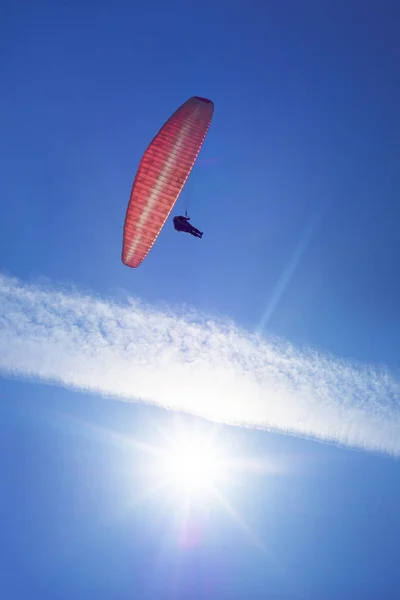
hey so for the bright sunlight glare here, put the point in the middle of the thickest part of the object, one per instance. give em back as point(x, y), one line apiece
point(192, 465)
point(195, 468)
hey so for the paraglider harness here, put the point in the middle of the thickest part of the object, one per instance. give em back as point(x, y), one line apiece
point(182, 224)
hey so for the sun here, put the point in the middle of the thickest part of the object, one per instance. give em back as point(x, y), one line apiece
point(192, 470)
point(192, 465)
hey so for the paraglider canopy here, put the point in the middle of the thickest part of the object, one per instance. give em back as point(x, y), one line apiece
point(162, 173)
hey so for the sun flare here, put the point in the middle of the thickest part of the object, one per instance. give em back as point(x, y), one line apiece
point(192, 465)
point(192, 470)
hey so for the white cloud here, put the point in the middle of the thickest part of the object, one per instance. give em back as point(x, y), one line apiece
point(204, 367)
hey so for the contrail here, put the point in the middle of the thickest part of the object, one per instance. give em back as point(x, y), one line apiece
point(201, 366)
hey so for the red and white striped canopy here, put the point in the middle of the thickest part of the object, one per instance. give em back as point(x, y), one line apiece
point(162, 173)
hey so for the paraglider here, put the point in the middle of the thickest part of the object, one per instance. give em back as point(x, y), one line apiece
point(181, 224)
point(162, 173)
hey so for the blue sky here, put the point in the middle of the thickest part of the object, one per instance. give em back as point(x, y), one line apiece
point(296, 189)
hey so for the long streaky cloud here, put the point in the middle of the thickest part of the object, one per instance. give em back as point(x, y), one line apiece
point(197, 365)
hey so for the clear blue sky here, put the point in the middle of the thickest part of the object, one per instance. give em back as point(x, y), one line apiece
point(305, 137)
